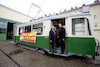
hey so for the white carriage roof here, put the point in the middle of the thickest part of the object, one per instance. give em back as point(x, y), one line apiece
point(54, 17)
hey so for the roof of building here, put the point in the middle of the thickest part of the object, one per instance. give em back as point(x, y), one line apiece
point(14, 10)
point(54, 17)
point(95, 3)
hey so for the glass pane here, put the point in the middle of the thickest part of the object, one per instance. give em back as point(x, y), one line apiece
point(3, 27)
point(1, 24)
point(95, 16)
point(38, 28)
point(94, 9)
point(5, 24)
point(28, 29)
point(21, 30)
point(78, 26)
point(0, 30)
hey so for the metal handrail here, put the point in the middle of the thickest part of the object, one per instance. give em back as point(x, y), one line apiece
point(97, 44)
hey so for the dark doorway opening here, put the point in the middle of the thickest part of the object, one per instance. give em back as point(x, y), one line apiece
point(10, 31)
point(55, 23)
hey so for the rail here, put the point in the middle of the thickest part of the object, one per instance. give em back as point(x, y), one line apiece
point(11, 58)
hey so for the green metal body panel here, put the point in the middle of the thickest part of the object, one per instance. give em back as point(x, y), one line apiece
point(3, 36)
point(78, 45)
point(41, 42)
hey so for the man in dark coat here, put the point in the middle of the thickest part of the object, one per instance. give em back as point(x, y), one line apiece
point(62, 37)
point(52, 36)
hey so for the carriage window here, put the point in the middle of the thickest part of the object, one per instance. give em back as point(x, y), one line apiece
point(28, 28)
point(78, 26)
point(21, 30)
point(38, 28)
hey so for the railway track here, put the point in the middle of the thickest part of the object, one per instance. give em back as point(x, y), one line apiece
point(70, 58)
point(19, 65)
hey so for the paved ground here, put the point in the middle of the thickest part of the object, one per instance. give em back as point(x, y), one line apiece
point(28, 58)
point(5, 61)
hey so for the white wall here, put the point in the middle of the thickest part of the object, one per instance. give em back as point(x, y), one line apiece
point(12, 15)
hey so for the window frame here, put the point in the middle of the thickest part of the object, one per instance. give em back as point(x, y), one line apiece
point(41, 26)
point(19, 30)
point(29, 28)
point(86, 27)
point(94, 17)
point(3, 27)
point(95, 25)
point(94, 9)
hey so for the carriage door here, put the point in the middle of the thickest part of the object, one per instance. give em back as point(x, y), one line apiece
point(55, 22)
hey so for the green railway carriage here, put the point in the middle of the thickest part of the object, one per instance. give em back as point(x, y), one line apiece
point(79, 36)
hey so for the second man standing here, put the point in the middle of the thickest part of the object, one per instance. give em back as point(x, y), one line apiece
point(62, 37)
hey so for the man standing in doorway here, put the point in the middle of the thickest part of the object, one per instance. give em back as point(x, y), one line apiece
point(62, 37)
point(52, 36)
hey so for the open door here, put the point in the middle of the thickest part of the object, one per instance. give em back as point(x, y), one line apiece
point(55, 23)
point(10, 31)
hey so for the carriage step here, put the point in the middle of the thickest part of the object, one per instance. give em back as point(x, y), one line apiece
point(40, 51)
point(65, 54)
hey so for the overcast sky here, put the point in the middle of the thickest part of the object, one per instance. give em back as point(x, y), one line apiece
point(47, 6)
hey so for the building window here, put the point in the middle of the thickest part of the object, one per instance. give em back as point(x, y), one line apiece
point(38, 28)
point(95, 24)
point(78, 26)
point(3, 27)
point(95, 17)
point(94, 9)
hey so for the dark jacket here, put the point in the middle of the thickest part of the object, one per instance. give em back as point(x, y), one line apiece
point(62, 33)
point(52, 36)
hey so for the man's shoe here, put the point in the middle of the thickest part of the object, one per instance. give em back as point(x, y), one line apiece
point(60, 53)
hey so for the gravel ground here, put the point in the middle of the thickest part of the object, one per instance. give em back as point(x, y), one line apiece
point(28, 58)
